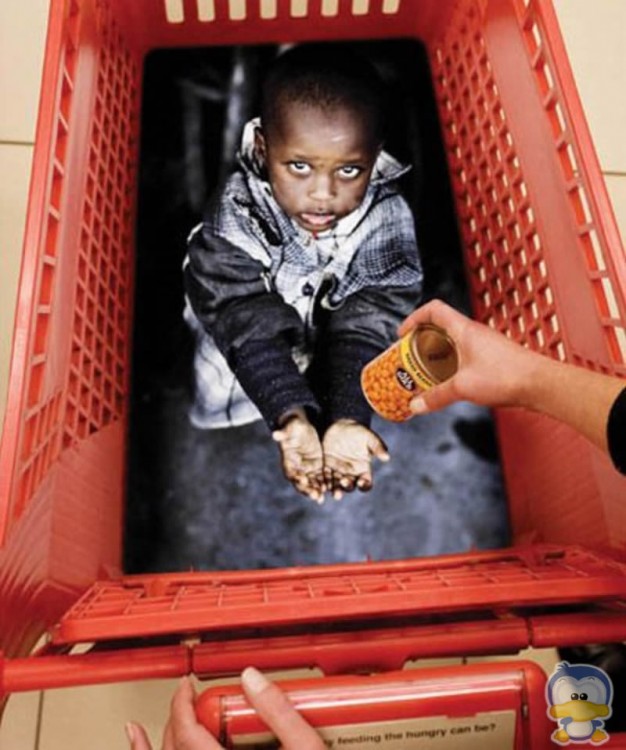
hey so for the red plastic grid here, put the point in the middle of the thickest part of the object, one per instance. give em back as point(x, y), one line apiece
point(207, 11)
point(99, 347)
point(143, 605)
point(504, 253)
point(94, 393)
point(39, 439)
point(505, 257)
point(540, 34)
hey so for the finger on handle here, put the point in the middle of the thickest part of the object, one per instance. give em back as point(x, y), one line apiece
point(186, 732)
point(137, 736)
point(273, 706)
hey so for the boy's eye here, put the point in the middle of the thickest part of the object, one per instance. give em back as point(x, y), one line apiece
point(349, 172)
point(299, 167)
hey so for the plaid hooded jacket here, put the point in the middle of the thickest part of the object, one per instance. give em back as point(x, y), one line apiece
point(286, 319)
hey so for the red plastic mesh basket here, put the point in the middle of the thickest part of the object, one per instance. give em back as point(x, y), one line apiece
point(544, 264)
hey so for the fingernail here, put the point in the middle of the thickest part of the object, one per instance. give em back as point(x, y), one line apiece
point(130, 732)
point(254, 681)
point(418, 405)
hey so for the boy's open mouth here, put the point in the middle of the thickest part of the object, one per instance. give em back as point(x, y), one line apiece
point(318, 221)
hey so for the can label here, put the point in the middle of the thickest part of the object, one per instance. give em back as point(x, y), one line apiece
point(411, 367)
point(405, 380)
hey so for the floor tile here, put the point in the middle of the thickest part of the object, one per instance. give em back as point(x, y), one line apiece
point(94, 717)
point(546, 658)
point(595, 37)
point(22, 40)
point(616, 185)
point(18, 730)
point(15, 162)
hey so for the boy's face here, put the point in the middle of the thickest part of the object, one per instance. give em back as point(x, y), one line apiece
point(319, 163)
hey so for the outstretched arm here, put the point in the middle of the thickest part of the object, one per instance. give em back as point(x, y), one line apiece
point(354, 334)
point(252, 326)
point(495, 371)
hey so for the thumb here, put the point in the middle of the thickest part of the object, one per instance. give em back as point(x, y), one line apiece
point(137, 737)
point(377, 447)
point(435, 398)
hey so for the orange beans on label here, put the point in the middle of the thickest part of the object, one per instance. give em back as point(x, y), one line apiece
point(422, 358)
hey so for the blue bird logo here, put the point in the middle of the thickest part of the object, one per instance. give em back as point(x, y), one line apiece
point(579, 698)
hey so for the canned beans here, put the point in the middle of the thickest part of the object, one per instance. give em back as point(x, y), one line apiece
point(421, 359)
point(384, 393)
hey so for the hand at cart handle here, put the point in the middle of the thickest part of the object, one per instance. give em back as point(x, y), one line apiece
point(183, 732)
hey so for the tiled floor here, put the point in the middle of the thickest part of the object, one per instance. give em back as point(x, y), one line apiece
point(93, 718)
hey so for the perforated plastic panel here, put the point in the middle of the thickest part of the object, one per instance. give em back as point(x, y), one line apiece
point(96, 386)
point(514, 257)
point(505, 257)
point(65, 404)
point(201, 602)
point(63, 439)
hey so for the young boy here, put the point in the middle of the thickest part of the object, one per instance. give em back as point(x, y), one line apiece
point(302, 269)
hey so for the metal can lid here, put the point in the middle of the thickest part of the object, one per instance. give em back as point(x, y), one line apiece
point(435, 352)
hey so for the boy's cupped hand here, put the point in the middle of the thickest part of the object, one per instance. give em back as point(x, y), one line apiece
point(348, 449)
point(341, 462)
point(302, 455)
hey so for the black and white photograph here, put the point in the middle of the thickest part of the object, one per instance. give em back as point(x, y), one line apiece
point(294, 208)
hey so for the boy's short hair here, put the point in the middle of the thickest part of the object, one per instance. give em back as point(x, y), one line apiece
point(325, 76)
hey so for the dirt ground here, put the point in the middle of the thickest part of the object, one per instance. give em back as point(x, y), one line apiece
point(217, 499)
